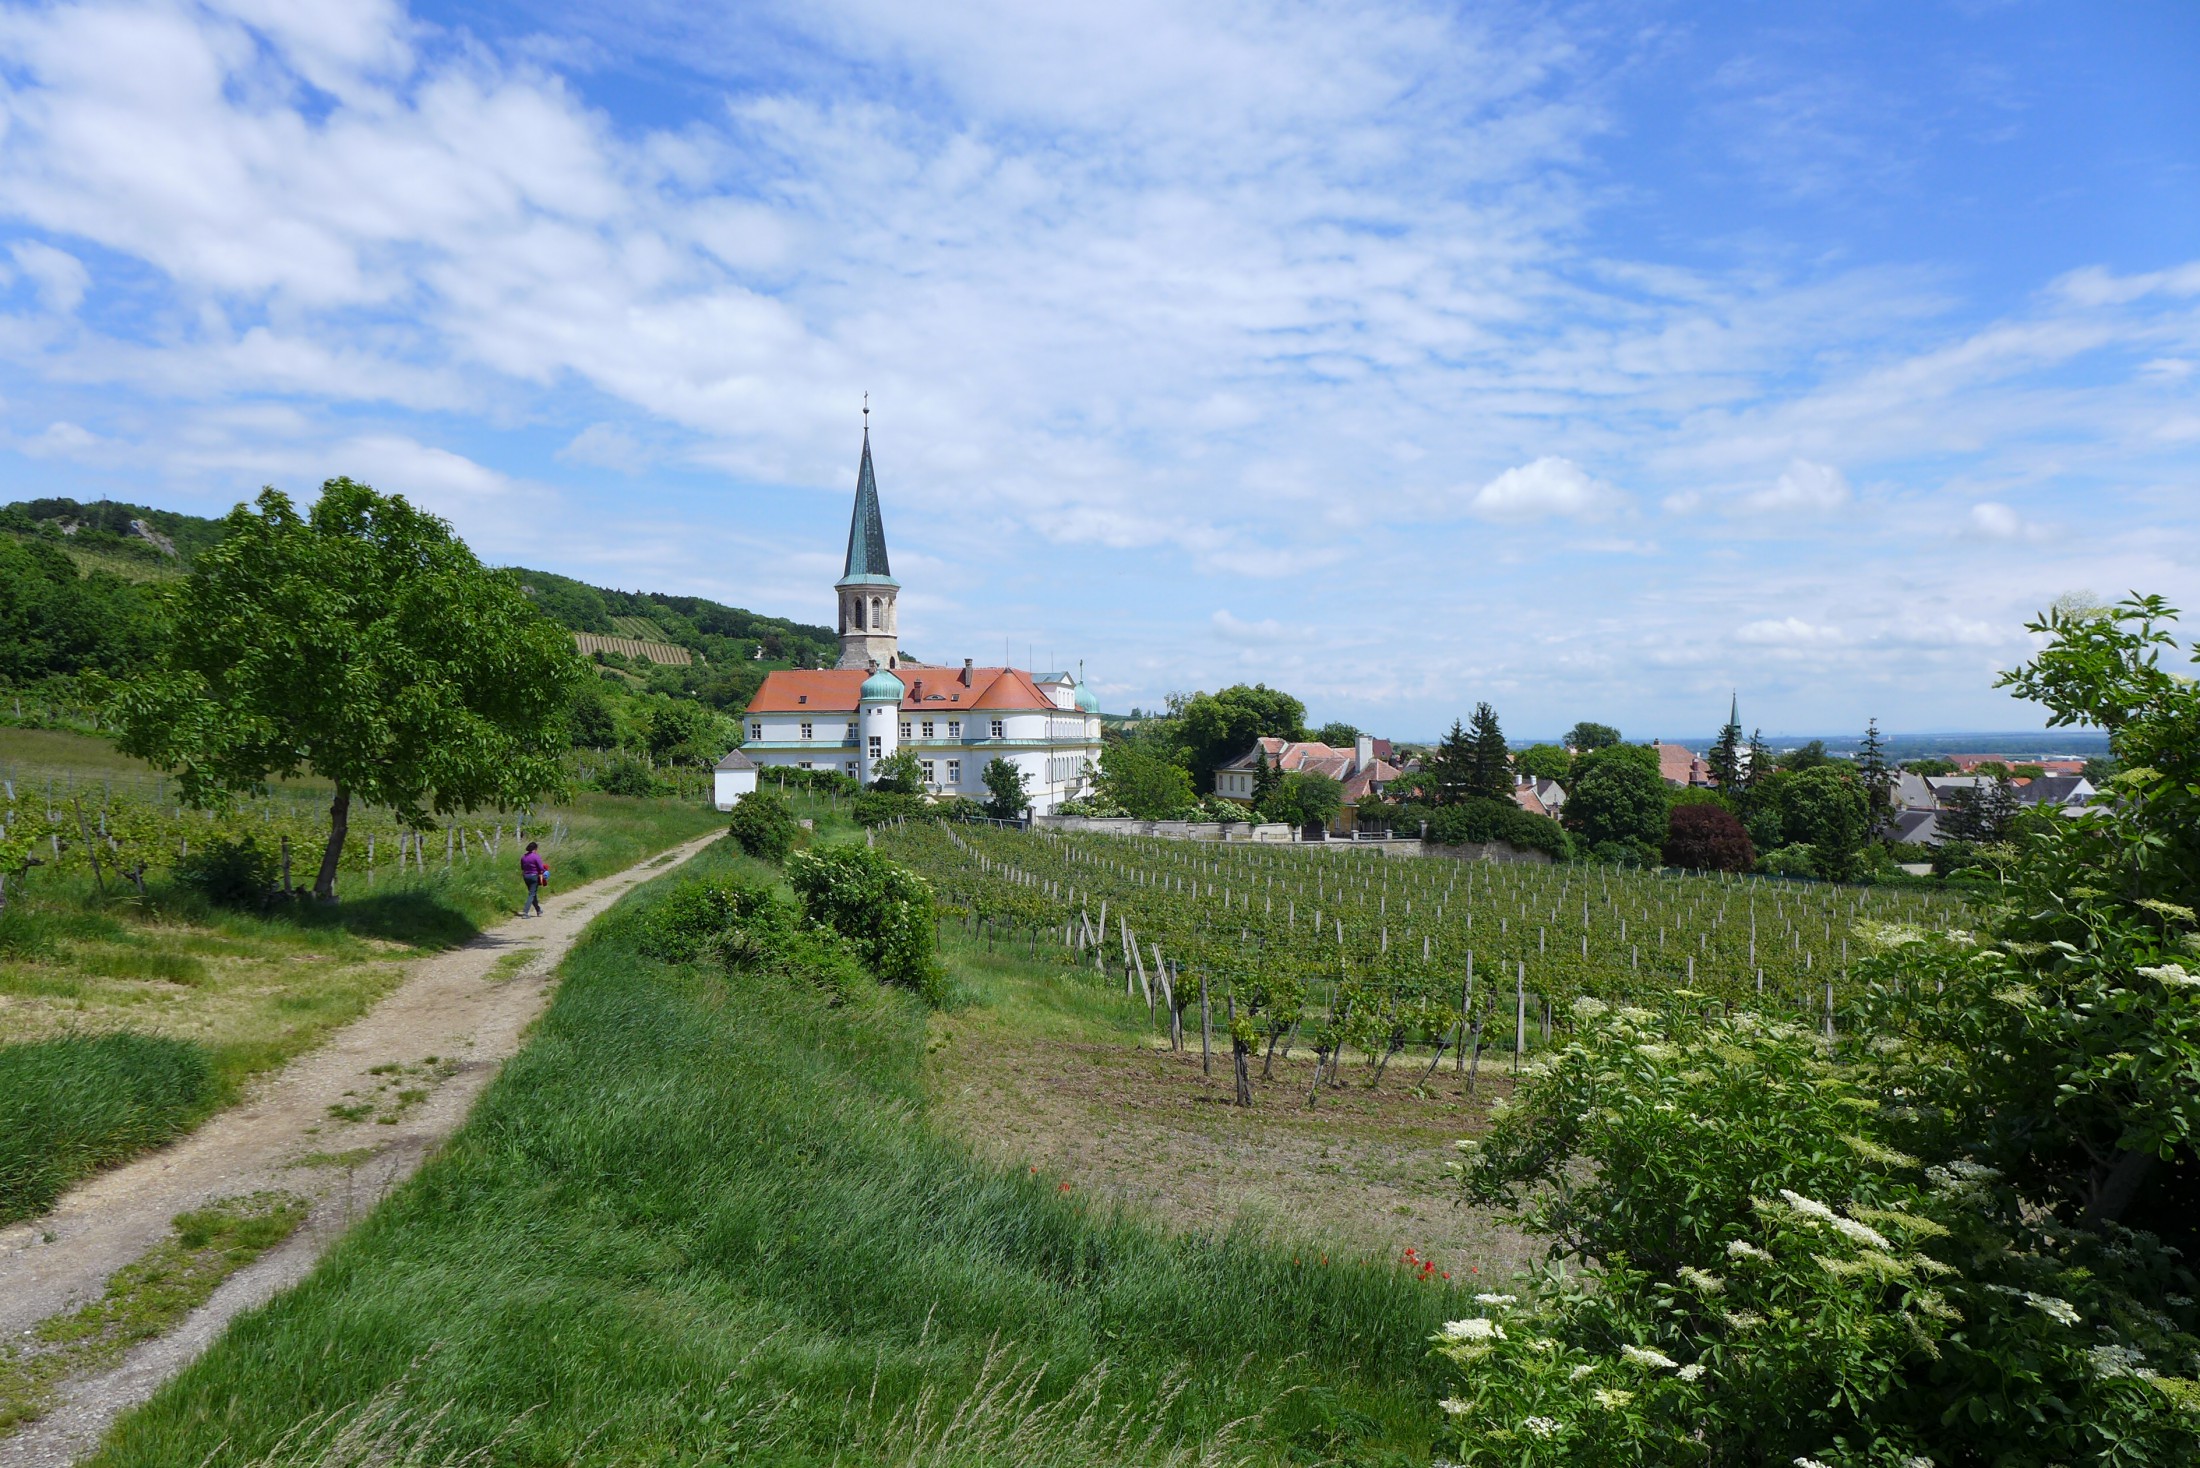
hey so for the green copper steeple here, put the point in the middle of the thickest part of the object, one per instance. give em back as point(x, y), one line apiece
point(866, 531)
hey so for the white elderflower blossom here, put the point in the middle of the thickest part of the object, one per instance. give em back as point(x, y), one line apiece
point(1540, 1426)
point(1496, 1300)
point(1639, 1356)
point(1743, 1249)
point(1579, 1372)
point(2172, 973)
point(2062, 1312)
point(1587, 1008)
point(1455, 1407)
point(1808, 1463)
point(1691, 1371)
point(1864, 1234)
point(2109, 1361)
point(1702, 1282)
point(1810, 1208)
point(1480, 1328)
point(1741, 1321)
point(1610, 1400)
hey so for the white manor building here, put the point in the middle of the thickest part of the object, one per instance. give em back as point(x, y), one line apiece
point(954, 720)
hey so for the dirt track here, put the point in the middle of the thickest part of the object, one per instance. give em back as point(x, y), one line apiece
point(469, 1009)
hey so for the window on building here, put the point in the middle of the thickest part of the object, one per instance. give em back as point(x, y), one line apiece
point(850, 767)
point(802, 764)
point(928, 728)
point(878, 747)
point(954, 772)
point(905, 728)
point(954, 728)
point(756, 731)
point(851, 731)
point(931, 775)
point(1000, 731)
point(805, 728)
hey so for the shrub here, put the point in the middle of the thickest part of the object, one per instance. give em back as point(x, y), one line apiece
point(231, 871)
point(880, 907)
point(877, 807)
point(1798, 860)
point(627, 775)
point(1759, 1275)
point(74, 1103)
point(1707, 837)
point(1474, 822)
point(762, 826)
point(1623, 854)
point(683, 925)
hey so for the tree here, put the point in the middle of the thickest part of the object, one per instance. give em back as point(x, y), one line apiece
point(1810, 756)
point(1871, 766)
point(1726, 756)
point(1337, 734)
point(1004, 783)
point(1991, 769)
point(1707, 838)
point(1544, 762)
point(1825, 809)
point(1449, 775)
point(1618, 796)
point(679, 729)
point(1148, 785)
point(1586, 736)
point(898, 774)
point(1490, 772)
point(1216, 728)
point(1981, 814)
point(880, 908)
point(594, 726)
point(1267, 779)
point(1930, 766)
point(2027, 772)
point(363, 643)
point(1308, 799)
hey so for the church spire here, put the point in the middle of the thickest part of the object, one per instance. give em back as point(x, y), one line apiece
point(866, 531)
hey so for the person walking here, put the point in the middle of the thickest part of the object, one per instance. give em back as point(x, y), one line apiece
point(536, 873)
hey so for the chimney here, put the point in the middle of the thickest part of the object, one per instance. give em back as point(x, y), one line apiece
point(916, 690)
point(1363, 752)
point(966, 673)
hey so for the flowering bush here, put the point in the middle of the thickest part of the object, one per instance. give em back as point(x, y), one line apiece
point(1745, 1269)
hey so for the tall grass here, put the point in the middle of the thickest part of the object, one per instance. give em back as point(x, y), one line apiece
point(701, 1218)
point(74, 1103)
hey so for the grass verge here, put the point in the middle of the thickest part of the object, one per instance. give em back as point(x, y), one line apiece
point(74, 1103)
point(144, 1299)
point(702, 1218)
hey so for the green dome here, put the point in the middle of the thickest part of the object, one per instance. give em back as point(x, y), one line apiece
point(881, 687)
point(1086, 700)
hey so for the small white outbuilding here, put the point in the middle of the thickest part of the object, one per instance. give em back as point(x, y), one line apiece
point(734, 778)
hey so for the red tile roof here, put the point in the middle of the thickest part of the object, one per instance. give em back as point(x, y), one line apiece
point(924, 690)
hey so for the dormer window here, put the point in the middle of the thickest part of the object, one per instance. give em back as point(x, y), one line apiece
point(802, 698)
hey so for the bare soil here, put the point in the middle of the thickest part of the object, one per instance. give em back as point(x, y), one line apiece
point(1364, 1170)
point(341, 1125)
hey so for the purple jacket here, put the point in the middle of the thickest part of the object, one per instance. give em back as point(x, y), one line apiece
point(532, 865)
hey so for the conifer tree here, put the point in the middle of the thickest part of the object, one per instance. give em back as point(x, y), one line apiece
point(1871, 763)
point(1490, 768)
point(1266, 779)
point(1726, 755)
point(1451, 767)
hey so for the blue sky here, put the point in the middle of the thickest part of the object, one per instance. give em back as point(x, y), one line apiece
point(1590, 359)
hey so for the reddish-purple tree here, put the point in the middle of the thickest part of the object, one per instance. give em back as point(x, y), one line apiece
point(1707, 838)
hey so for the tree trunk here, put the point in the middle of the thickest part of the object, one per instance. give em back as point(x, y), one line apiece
point(339, 818)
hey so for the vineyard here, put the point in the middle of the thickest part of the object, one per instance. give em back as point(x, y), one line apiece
point(1269, 948)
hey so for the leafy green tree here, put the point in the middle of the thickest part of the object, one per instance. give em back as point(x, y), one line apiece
point(1930, 766)
point(1490, 773)
point(898, 774)
point(54, 621)
point(594, 725)
point(1337, 734)
point(363, 643)
point(1992, 769)
point(1146, 784)
point(1544, 762)
point(1825, 809)
point(1618, 796)
point(1810, 756)
point(1308, 799)
point(2027, 772)
point(1006, 798)
point(1586, 736)
point(1216, 728)
point(683, 731)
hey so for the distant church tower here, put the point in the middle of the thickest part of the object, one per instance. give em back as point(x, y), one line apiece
point(870, 631)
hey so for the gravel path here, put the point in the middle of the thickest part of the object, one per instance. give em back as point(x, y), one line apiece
point(466, 1008)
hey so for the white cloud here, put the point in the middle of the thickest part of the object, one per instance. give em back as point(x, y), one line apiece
point(60, 277)
point(421, 472)
point(1999, 522)
point(1232, 629)
point(1787, 632)
point(607, 446)
point(1545, 488)
point(1804, 488)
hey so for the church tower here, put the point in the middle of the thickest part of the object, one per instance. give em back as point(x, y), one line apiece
point(870, 631)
